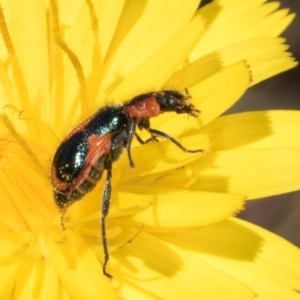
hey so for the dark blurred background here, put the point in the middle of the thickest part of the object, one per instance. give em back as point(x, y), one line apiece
point(280, 214)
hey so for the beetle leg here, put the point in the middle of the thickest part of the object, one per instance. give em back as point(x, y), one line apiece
point(105, 210)
point(139, 139)
point(130, 133)
point(145, 124)
point(166, 136)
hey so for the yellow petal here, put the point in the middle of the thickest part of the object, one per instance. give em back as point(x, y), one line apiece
point(264, 129)
point(255, 173)
point(266, 57)
point(80, 29)
point(77, 267)
point(220, 91)
point(234, 21)
point(159, 23)
point(255, 256)
point(31, 51)
point(36, 279)
point(8, 277)
point(173, 208)
point(83, 24)
point(262, 136)
point(170, 272)
point(150, 74)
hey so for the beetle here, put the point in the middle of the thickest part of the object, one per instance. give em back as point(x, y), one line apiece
point(93, 146)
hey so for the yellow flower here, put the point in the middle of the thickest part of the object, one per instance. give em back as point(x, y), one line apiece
point(170, 229)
